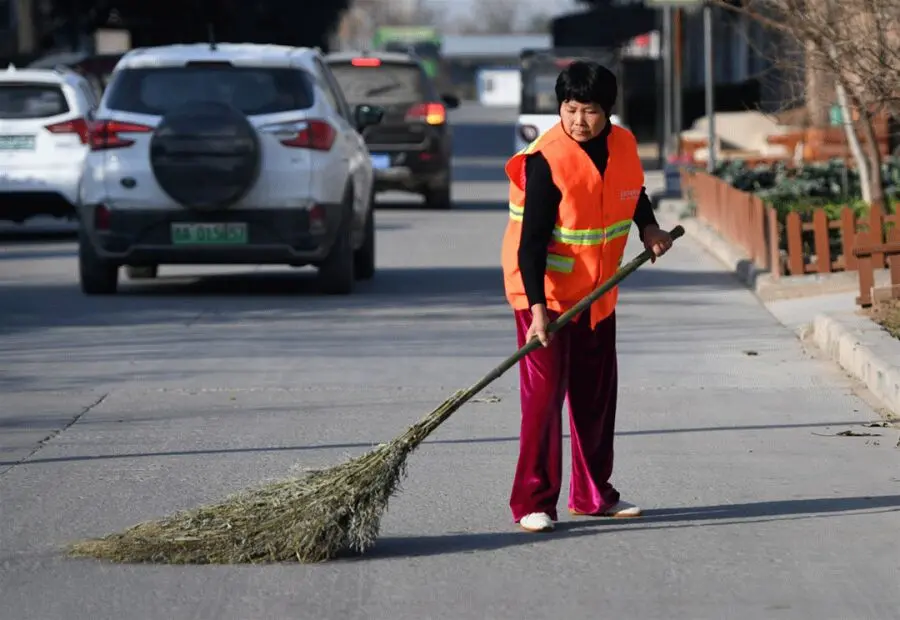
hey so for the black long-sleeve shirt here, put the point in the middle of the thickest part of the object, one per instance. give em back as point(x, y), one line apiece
point(542, 198)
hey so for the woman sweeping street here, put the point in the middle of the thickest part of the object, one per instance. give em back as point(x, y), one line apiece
point(574, 193)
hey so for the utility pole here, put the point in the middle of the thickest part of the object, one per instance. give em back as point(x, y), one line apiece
point(26, 38)
point(76, 25)
point(710, 86)
point(667, 81)
point(673, 99)
point(678, 90)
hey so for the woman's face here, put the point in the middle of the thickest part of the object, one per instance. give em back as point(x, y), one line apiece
point(582, 121)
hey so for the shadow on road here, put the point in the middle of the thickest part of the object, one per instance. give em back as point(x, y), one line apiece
point(39, 253)
point(36, 235)
point(655, 276)
point(458, 205)
point(234, 293)
point(481, 205)
point(664, 518)
point(24, 423)
point(226, 296)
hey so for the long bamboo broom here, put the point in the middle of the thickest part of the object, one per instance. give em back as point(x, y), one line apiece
point(312, 519)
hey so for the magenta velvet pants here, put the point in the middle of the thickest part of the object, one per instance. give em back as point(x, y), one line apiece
point(580, 364)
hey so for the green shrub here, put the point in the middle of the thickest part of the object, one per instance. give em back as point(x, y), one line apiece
point(829, 185)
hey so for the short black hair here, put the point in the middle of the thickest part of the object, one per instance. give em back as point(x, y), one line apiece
point(586, 81)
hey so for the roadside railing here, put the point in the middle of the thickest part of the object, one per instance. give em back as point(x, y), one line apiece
point(801, 244)
point(741, 217)
point(871, 254)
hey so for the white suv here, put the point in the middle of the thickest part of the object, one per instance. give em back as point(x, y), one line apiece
point(226, 154)
point(43, 141)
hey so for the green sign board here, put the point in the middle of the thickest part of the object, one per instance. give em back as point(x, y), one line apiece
point(423, 41)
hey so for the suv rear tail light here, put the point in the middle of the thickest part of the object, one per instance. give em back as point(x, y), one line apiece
point(317, 222)
point(104, 135)
point(77, 126)
point(101, 217)
point(312, 134)
point(431, 113)
point(366, 62)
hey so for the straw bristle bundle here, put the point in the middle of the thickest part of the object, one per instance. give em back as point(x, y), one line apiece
point(311, 519)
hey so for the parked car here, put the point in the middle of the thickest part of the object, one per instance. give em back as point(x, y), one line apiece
point(227, 154)
point(95, 68)
point(411, 148)
point(44, 115)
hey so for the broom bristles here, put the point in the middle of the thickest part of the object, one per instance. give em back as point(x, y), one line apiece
point(315, 518)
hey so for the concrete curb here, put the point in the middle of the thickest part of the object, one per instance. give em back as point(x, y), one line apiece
point(862, 348)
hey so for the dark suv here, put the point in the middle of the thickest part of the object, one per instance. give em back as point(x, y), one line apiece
point(411, 147)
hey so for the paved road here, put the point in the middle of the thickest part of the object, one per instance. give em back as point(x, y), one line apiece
point(178, 392)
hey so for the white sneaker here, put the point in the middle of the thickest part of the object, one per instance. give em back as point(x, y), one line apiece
point(537, 522)
point(623, 510)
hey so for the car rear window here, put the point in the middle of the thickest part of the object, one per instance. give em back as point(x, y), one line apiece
point(30, 100)
point(387, 83)
point(252, 90)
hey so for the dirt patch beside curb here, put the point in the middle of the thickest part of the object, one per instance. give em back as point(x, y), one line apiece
point(886, 314)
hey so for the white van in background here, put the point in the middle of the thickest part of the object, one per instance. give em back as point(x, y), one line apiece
point(499, 87)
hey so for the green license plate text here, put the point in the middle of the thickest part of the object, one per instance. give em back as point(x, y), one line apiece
point(209, 234)
point(16, 143)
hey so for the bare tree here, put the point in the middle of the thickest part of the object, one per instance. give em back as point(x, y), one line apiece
point(391, 13)
point(852, 47)
point(539, 23)
point(492, 17)
point(360, 22)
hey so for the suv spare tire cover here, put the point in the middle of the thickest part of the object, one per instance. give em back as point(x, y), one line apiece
point(205, 155)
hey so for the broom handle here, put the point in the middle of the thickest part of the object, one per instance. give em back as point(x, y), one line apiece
point(567, 316)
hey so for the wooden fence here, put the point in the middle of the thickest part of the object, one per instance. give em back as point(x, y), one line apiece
point(866, 254)
point(799, 245)
point(740, 217)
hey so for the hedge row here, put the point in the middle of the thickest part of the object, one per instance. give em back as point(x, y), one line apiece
point(830, 186)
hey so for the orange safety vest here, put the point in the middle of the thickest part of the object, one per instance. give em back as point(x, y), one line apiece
point(592, 227)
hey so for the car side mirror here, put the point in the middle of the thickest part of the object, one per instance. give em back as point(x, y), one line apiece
point(367, 115)
point(451, 101)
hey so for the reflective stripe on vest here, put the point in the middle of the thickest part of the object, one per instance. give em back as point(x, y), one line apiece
point(562, 264)
point(579, 236)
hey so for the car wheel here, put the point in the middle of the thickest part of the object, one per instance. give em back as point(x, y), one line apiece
point(438, 198)
point(364, 257)
point(98, 276)
point(147, 272)
point(336, 273)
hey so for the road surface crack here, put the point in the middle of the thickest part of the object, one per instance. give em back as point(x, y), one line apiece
point(43, 442)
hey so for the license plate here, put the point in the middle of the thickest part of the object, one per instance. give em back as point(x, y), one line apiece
point(380, 161)
point(209, 234)
point(16, 143)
